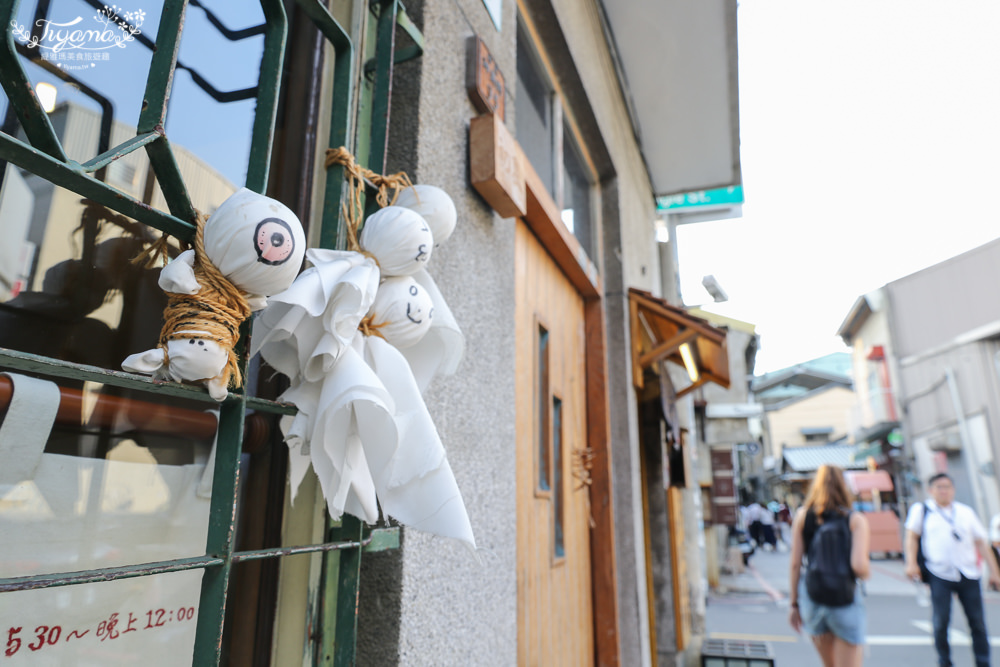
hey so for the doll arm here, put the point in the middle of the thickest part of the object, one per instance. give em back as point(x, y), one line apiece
point(178, 275)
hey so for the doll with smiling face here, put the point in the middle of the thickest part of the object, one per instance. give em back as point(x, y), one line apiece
point(253, 248)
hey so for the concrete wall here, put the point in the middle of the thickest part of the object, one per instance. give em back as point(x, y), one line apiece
point(933, 307)
point(441, 605)
point(944, 320)
point(451, 609)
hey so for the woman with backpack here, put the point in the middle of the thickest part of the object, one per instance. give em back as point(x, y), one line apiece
point(823, 595)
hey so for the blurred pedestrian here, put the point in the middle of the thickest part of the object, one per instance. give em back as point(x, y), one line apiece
point(955, 540)
point(837, 629)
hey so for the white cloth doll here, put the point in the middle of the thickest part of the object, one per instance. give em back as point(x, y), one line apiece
point(250, 248)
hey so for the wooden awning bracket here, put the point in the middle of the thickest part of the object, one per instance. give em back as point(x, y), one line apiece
point(659, 330)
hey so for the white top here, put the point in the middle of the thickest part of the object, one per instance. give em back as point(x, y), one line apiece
point(995, 528)
point(947, 557)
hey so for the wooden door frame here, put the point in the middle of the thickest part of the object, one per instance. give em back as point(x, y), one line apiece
point(543, 219)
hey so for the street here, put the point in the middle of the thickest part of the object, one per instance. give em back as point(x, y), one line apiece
point(753, 605)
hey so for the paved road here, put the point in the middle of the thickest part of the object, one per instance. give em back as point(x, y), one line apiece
point(754, 606)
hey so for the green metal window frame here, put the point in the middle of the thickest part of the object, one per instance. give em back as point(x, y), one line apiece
point(44, 156)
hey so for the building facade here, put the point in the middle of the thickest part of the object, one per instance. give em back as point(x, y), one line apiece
point(553, 126)
point(926, 347)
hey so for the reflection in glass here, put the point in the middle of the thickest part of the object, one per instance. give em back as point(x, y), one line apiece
point(122, 477)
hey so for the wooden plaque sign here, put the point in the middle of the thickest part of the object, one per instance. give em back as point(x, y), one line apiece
point(485, 81)
point(495, 167)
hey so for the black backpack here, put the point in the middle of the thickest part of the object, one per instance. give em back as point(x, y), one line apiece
point(829, 578)
point(925, 574)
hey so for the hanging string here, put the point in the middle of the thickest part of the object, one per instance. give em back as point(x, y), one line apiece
point(388, 189)
point(581, 465)
point(215, 313)
point(369, 327)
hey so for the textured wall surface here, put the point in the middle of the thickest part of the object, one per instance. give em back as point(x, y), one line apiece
point(456, 609)
point(452, 609)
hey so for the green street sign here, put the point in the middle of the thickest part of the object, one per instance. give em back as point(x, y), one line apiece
point(701, 199)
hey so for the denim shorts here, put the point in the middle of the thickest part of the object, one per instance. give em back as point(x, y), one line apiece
point(847, 623)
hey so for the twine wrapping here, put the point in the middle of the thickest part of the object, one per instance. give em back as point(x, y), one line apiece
point(369, 327)
point(214, 313)
point(388, 189)
point(353, 209)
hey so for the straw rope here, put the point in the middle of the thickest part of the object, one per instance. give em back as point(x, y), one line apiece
point(214, 313)
point(388, 190)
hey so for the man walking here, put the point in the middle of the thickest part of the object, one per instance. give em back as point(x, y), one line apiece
point(954, 540)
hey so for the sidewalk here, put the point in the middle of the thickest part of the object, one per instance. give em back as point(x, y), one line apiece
point(767, 574)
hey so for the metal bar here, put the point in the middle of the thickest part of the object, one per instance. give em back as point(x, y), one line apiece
point(72, 177)
point(331, 233)
point(269, 406)
point(213, 92)
point(152, 117)
point(106, 574)
point(107, 107)
point(168, 175)
point(410, 52)
point(33, 363)
point(346, 611)
point(385, 47)
point(411, 29)
point(21, 96)
point(229, 33)
point(380, 539)
point(221, 529)
point(120, 150)
point(267, 96)
point(161, 67)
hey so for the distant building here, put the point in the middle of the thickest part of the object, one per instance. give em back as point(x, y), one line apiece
point(805, 406)
point(926, 352)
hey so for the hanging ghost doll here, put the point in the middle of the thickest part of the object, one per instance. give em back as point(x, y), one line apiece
point(250, 248)
point(343, 333)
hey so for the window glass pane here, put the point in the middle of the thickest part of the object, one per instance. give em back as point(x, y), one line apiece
point(117, 480)
point(576, 195)
point(559, 547)
point(533, 111)
point(121, 479)
point(542, 401)
point(67, 287)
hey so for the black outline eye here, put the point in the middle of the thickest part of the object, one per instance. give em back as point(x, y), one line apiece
point(289, 238)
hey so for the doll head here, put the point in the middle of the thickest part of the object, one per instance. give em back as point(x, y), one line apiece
point(256, 242)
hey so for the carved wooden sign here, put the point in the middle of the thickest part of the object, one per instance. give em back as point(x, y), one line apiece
point(495, 167)
point(487, 89)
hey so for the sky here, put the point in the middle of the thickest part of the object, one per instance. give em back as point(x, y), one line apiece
point(870, 149)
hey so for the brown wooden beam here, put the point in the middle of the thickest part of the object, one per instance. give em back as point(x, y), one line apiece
point(694, 385)
point(602, 535)
point(667, 347)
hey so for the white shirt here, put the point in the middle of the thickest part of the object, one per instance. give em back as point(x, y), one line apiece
point(947, 557)
point(995, 528)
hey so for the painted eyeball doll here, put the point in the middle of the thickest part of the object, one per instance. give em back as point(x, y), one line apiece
point(258, 244)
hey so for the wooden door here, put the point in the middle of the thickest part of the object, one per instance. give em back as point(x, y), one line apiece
point(554, 598)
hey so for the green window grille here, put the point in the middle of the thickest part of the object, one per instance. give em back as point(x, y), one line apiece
point(362, 122)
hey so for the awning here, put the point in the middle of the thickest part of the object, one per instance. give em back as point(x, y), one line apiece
point(810, 458)
point(667, 50)
point(862, 482)
point(661, 332)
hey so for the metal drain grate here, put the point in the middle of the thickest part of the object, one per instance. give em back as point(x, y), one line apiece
point(736, 653)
